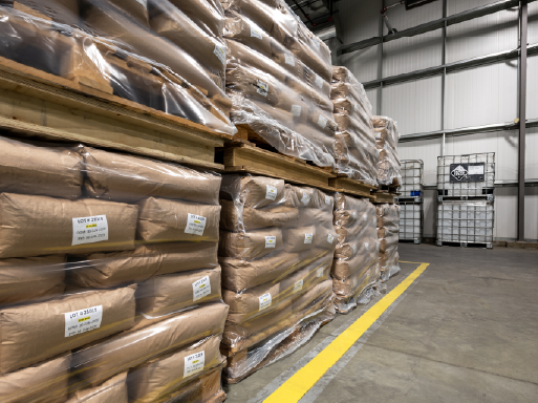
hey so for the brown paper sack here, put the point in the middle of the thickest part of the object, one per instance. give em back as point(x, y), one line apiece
point(239, 275)
point(102, 360)
point(28, 169)
point(46, 382)
point(250, 245)
point(253, 191)
point(112, 391)
point(235, 218)
point(107, 270)
point(165, 220)
point(31, 279)
point(129, 178)
point(163, 295)
point(207, 14)
point(36, 332)
point(344, 269)
point(155, 379)
point(39, 225)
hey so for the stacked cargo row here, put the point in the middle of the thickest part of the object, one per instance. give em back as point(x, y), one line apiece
point(110, 283)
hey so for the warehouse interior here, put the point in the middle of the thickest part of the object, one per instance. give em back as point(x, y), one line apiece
point(267, 201)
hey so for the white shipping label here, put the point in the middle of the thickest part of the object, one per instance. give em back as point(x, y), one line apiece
point(298, 286)
point(354, 215)
point(476, 170)
point(319, 81)
point(296, 110)
point(194, 363)
point(89, 229)
point(84, 320)
point(201, 288)
point(305, 199)
point(289, 59)
point(320, 272)
point(354, 247)
point(330, 238)
point(263, 88)
point(270, 242)
point(265, 301)
point(195, 224)
point(308, 238)
point(322, 121)
point(220, 52)
point(256, 32)
point(271, 193)
point(317, 44)
point(327, 200)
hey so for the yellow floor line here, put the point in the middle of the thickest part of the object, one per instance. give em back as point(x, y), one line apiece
point(403, 261)
point(303, 380)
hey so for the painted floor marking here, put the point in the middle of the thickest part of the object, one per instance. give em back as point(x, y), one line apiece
point(303, 380)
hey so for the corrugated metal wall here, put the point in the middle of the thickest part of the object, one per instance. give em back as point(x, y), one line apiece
point(479, 96)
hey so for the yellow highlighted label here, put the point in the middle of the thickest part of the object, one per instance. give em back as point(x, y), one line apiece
point(84, 319)
point(303, 380)
point(91, 225)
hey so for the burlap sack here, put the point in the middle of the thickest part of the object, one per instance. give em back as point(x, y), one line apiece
point(103, 360)
point(235, 218)
point(40, 225)
point(49, 171)
point(155, 379)
point(106, 270)
point(164, 295)
point(130, 178)
point(207, 14)
point(239, 275)
point(164, 220)
point(253, 191)
point(45, 382)
point(31, 279)
point(112, 391)
point(62, 11)
point(343, 269)
point(250, 245)
point(36, 332)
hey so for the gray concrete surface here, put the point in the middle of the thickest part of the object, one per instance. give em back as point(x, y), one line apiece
point(465, 331)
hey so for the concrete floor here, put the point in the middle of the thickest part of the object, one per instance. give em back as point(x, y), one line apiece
point(465, 331)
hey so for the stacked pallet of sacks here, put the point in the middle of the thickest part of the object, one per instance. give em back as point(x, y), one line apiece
point(276, 251)
point(388, 228)
point(110, 287)
point(357, 155)
point(387, 137)
point(168, 55)
point(356, 257)
point(278, 77)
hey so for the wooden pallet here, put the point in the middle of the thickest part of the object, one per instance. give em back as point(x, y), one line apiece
point(250, 159)
point(384, 198)
point(351, 187)
point(36, 103)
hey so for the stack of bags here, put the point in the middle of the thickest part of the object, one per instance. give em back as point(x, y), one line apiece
point(278, 77)
point(387, 137)
point(355, 266)
point(168, 55)
point(276, 251)
point(357, 155)
point(388, 228)
point(109, 281)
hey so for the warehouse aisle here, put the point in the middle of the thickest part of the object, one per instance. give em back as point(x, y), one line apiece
point(465, 331)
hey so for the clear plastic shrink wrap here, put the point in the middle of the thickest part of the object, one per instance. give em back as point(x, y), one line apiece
point(387, 137)
point(276, 251)
point(355, 267)
point(388, 229)
point(278, 77)
point(168, 55)
point(110, 286)
point(356, 152)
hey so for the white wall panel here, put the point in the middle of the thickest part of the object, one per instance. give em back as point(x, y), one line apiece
point(532, 87)
point(410, 54)
point(533, 22)
point(531, 155)
point(505, 214)
point(359, 19)
point(531, 214)
point(415, 105)
point(481, 96)
point(458, 6)
point(482, 36)
point(401, 19)
point(426, 150)
point(364, 63)
point(503, 143)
